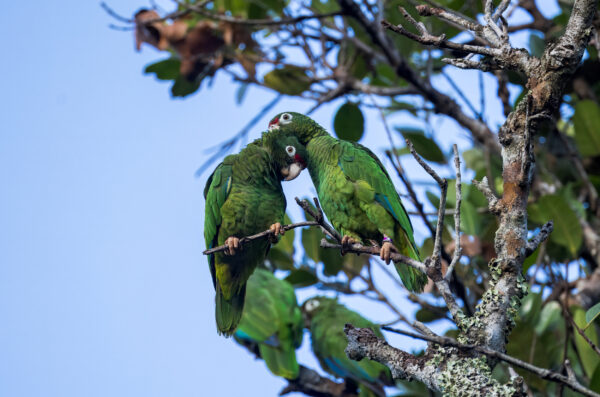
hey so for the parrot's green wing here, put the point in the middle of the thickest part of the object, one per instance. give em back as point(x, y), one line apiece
point(329, 344)
point(216, 190)
point(360, 164)
point(272, 319)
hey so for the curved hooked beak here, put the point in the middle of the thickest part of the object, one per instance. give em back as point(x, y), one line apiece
point(292, 171)
point(274, 124)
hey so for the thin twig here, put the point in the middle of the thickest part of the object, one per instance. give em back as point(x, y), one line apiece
point(539, 238)
point(227, 145)
point(458, 249)
point(266, 233)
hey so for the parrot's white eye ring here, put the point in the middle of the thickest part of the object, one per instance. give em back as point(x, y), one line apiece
point(312, 305)
point(285, 118)
point(290, 150)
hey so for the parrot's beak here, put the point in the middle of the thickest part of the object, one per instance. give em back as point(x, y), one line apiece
point(274, 125)
point(292, 171)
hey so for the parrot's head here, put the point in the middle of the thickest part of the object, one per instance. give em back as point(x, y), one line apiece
point(287, 154)
point(297, 124)
point(314, 305)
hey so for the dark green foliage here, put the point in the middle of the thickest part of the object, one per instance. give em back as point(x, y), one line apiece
point(349, 123)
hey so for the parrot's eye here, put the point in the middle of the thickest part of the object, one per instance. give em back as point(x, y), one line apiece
point(291, 151)
point(286, 118)
point(312, 305)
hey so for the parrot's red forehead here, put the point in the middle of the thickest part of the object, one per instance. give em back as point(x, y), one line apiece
point(274, 121)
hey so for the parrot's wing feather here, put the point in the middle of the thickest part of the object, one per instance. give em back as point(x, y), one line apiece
point(216, 191)
point(260, 321)
point(359, 163)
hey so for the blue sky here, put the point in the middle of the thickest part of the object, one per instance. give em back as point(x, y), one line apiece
point(103, 286)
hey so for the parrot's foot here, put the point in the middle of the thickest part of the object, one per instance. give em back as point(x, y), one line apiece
point(347, 241)
point(232, 243)
point(276, 230)
point(386, 251)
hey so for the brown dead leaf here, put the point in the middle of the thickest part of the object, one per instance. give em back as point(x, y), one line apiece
point(147, 32)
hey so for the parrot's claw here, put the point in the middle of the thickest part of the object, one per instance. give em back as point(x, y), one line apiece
point(386, 251)
point(233, 244)
point(347, 241)
point(276, 230)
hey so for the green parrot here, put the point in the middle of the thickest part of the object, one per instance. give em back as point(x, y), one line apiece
point(273, 320)
point(356, 193)
point(244, 197)
point(327, 318)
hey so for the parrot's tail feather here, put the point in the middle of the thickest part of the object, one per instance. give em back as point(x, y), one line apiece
point(229, 311)
point(280, 362)
point(370, 390)
point(412, 278)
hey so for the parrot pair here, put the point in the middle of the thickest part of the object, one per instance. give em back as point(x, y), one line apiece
point(274, 322)
point(244, 197)
point(356, 193)
point(327, 318)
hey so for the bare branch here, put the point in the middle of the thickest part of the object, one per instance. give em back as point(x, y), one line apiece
point(357, 248)
point(569, 381)
point(484, 188)
point(309, 382)
point(539, 238)
point(458, 249)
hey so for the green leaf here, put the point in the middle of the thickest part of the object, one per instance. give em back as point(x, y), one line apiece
point(331, 258)
point(427, 316)
point(167, 69)
point(589, 358)
point(592, 314)
point(531, 260)
point(302, 278)
point(349, 123)
point(425, 147)
point(470, 220)
point(281, 259)
point(183, 87)
point(324, 7)
point(289, 80)
point(311, 240)
point(530, 307)
point(549, 316)
point(286, 242)
point(567, 232)
point(595, 380)
point(536, 45)
point(587, 131)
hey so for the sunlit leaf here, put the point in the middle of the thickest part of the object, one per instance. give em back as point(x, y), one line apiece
point(592, 314)
point(549, 316)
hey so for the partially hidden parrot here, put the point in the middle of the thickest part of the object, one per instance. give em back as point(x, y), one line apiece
point(327, 319)
point(244, 197)
point(272, 319)
point(356, 193)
